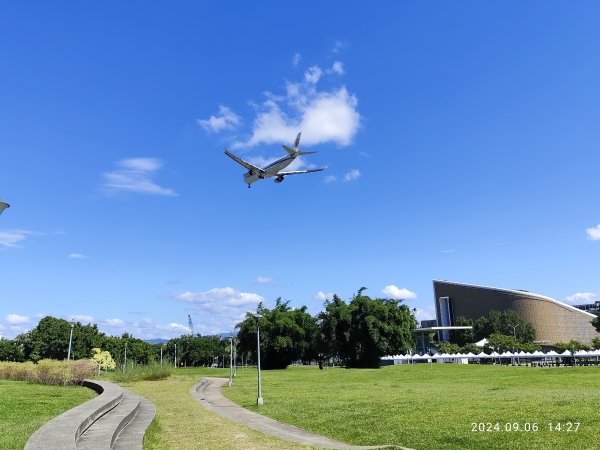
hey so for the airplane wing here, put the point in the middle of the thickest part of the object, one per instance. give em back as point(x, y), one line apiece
point(247, 165)
point(296, 172)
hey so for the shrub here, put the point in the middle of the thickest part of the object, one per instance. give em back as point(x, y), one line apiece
point(146, 373)
point(48, 371)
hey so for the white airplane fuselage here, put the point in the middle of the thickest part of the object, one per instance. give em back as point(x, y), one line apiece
point(270, 170)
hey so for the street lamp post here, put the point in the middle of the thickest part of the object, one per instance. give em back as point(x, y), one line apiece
point(70, 341)
point(259, 399)
point(125, 365)
point(161, 347)
point(235, 358)
point(515, 336)
point(175, 360)
point(231, 359)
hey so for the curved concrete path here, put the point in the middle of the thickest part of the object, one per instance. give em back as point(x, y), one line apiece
point(208, 393)
point(115, 419)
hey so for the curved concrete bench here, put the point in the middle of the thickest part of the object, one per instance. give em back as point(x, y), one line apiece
point(63, 431)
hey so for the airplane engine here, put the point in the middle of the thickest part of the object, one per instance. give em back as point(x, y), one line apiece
point(279, 179)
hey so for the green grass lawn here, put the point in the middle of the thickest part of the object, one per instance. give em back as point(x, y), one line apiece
point(25, 407)
point(182, 423)
point(413, 406)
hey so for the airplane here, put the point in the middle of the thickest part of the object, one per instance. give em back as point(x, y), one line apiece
point(273, 170)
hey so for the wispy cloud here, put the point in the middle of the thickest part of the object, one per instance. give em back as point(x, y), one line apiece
point(296, 59)
point(593, 233)
point(313, 74)
point(76, 256)
point(449, 250)
point(223, 308)
point(352, 175)
point(82, 318)
point(337, 68)
point(324, 296)
point(264, 280)
point(397, 293)
point(330, 178)
point(136, 175)
point(226, 119)
point(12, 238)
point(583, 298)
point(15, 319)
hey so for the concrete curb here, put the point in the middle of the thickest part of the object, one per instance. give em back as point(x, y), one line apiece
point(208, 393)
point(63, 431)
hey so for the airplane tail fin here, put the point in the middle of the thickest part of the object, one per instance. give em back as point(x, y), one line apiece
point(295, 150)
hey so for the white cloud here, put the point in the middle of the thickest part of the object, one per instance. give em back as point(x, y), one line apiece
point(427, 313)
point(226, 119)
point(322, 116)
point(178, 327)
point(136, 175)
point(450, 250)
point(80, 318)
point(324, 296)
point(330, 178)
point(15, 319)
point(583, 297)
point(296, 59)
point(264, 280)
point(313, 74)
point(114, 322)
point(593, 233)
point(77, 256)
point(11, 238)
point(352, 175)
point(337, 68)
point(398, 293)
point(337, 46)
point(223, 308)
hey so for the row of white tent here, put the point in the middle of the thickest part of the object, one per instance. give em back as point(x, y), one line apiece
point(521, 354)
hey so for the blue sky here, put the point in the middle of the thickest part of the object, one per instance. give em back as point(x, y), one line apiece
point(461, 142)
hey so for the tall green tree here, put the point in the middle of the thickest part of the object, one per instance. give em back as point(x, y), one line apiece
point(378, 327)
point(286, 335)
point(333, 329)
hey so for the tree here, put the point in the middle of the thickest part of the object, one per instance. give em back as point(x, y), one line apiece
point(502, 342)
point(378, 327)
point(462, 337)
point(572, 346)
point(472, 348)
point(10, 351)
point(447, 347)
point(286, 335)
point(596, 323)
point(596, 343)
point(507, 323)
point(103, 358)
point(333, 329)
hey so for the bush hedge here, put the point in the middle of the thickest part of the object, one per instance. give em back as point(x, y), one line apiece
point(48, 371)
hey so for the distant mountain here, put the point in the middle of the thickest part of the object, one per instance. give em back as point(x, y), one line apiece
point(156, 341)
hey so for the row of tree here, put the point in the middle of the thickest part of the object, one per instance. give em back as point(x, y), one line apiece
point(50, 340)
point(354, 334)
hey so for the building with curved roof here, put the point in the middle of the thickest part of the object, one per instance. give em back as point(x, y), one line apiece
point(553, 321)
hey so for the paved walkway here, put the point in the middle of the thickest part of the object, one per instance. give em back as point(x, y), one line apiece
point(208, 393)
